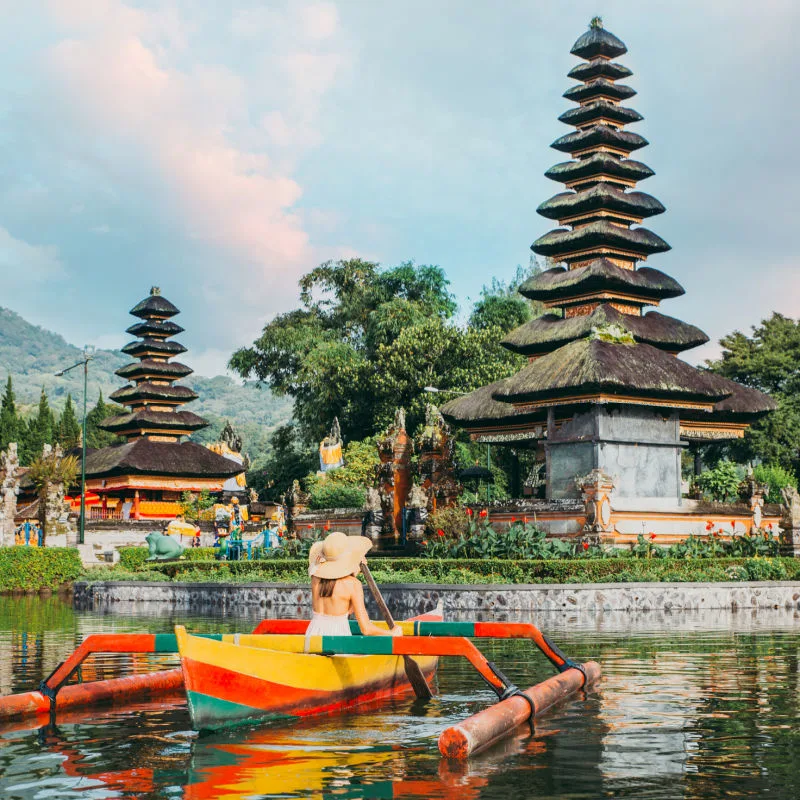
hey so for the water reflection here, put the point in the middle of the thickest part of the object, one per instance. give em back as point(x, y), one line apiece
point(691, 706)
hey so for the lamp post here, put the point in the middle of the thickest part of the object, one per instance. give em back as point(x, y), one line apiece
point(88, 354)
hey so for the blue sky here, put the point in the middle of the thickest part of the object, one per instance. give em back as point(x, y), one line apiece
point(220, 150)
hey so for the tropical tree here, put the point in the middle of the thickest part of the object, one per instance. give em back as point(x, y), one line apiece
point(500, 304)
point(768, 360)
point(40, 431)
point(69, 429)
point(10, 423)
point(96, 437)
point(368, 339)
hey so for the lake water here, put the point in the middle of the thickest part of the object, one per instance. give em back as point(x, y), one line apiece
point(690, 706)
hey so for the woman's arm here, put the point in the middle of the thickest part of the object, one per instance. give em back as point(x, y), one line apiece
point(359, 609)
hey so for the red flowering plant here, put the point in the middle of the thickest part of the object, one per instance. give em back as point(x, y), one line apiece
point(461, 533)
point(644, 548)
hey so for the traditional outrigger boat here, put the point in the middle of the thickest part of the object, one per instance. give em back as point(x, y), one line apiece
point(246, 678)
point(274, 672)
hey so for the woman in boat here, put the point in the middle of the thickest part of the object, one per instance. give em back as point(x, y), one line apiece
point(336, 592)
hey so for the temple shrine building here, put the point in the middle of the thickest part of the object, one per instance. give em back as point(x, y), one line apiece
point(605, 397)
point(144, 476)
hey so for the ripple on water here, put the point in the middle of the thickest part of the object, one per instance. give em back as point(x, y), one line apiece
point(690, 706)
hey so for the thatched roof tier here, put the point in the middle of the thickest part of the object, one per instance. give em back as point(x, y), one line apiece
point(600, 197)
point(600, 87)
point(597, 41)
point(147, 419)
point(599, 68)
point(143, 347)
point(629, 373)
point(600, 237)
point(599, 136)
point(600, 110)
point(154, 307)
point(146, 457)
point(148, 367)
point(743, 402)
point(160, 329)
point(597, 166)
point(479, 408)
point(602, 274)
point(153, 391)
point(549, 332)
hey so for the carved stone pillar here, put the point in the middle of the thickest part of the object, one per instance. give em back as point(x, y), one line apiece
point(790, 538)
point(9, 489)
point(436, 448)
point(394, 473)
point(596, 492)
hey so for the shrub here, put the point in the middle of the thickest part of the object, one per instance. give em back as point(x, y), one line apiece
point(521, 540)
point(777, 478)
point(132, 558)
point(721, 482)
point(135, 558)
point(345, 487)
point(193, 505)
point(35, 568)
point(329, 494)
point(452, 520)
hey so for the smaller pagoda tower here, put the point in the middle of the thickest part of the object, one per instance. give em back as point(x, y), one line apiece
point(144, 476)
point(153, 397)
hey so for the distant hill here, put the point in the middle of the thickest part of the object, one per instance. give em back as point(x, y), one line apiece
point(32, 356)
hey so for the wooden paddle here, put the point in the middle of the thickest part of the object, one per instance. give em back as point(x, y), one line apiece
point(413, 672)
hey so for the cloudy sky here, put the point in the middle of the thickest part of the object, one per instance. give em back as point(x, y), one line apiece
point(221, 149)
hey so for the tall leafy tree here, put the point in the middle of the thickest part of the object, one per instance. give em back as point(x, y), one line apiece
point(96, 437)
point(367, 339)
point(502, 306)
point(768, 360)
point(10, 423)
point(288, 460)
point(41, 430)
point(324, 353)
point(69, 429)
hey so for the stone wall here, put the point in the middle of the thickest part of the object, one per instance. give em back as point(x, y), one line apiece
point(495, 601)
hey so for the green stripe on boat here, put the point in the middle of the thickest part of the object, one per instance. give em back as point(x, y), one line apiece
point(168, 642)
point(212, 712)
point(423, 628)
point(357, 645)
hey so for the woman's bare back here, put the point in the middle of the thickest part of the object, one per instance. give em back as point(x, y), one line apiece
point(339, 603)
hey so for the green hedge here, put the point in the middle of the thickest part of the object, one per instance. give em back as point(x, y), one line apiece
point(135, 558)
point(466, 571)
point(35, 568)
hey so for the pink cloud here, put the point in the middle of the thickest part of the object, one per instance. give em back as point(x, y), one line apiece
point(320, 20)
point(187, 125)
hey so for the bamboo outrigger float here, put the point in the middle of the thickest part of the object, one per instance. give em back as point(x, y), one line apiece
point(276, 673)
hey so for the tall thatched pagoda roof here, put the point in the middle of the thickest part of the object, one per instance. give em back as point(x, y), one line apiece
point(596, 344)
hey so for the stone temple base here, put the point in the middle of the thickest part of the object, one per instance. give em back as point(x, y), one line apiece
point(639, 448)
point(604, 520)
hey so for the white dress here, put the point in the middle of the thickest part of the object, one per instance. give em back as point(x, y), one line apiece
point(327, 625)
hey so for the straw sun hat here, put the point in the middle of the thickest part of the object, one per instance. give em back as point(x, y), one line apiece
point(337, 555)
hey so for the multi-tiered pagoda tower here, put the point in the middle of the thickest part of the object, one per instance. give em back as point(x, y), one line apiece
point(152, 396)
point(154, 465)
point(604, 389)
